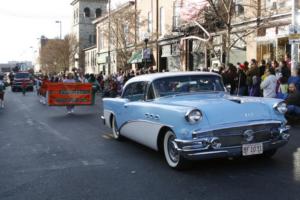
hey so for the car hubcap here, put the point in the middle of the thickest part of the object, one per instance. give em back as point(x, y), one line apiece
point(173, 153)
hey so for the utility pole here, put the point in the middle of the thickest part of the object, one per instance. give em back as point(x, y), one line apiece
point(59, 22)
point(157, 35)
point(294, 46)
point(109, 64)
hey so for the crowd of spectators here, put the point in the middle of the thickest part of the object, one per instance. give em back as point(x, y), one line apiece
point(107, 85)
point(265, 79)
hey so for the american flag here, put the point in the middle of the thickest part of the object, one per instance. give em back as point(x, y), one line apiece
point(190, 9)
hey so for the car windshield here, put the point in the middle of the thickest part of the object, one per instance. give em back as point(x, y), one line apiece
point(22, 75)
point(187, 84)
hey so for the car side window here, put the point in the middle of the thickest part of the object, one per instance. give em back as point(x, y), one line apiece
point(150, 94)
point(135, 91)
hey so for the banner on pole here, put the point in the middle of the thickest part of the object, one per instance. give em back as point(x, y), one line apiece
point(63, 94)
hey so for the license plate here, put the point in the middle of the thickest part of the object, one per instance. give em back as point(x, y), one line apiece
point(252, 149)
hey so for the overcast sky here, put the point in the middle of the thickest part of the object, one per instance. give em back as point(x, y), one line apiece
point(22, 22)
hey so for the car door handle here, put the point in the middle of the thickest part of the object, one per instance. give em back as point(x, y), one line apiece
point(156, 117)
point(147, 115)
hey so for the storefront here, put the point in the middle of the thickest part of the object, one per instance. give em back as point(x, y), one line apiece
point(142, 58)
point(170, 56)
point(102, 62)
point(198, 56)
point(273, 43)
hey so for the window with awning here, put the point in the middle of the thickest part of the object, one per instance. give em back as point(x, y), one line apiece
point(136, 57)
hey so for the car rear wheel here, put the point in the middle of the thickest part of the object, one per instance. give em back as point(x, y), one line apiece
point(114, 126)
point(172, 156)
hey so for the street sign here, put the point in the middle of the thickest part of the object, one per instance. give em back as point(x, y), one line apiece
point(146, 53)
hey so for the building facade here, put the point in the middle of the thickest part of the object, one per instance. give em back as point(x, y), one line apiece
point(258, 29)
point(84, 12)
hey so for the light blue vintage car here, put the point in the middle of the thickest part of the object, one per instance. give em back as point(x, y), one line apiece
point(189, 115)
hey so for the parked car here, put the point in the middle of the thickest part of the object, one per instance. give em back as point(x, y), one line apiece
point(189, 115)
point(19, 78)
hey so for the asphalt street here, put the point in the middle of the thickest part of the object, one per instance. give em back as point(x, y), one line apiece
point(47, 154)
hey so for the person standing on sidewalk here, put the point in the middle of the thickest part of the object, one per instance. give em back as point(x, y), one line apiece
point(2, 88)
point(70, 79)
point(268, 85)
point(253, 79)
point(293, 103)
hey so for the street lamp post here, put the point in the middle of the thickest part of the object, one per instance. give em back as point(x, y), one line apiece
point(109, 35)
point(145, 52)
point(59, 22)
point(294, 46)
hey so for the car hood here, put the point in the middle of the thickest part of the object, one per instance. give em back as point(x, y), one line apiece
point(220, 108)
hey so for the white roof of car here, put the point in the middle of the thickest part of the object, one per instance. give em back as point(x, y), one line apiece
point(154, 76)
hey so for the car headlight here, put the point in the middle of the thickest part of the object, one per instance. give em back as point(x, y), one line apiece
point(280, 107)
point(193, 116)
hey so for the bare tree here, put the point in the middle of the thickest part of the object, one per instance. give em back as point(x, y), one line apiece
point(232, 20)
point(56, 55)
point(122, 34)
point(73, 46)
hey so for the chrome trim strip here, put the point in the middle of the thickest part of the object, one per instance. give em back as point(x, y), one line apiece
point(145, 121)
point(284, 129)
point(227, 150)
point(238, 126)
point(207, 153)
point(222, 148)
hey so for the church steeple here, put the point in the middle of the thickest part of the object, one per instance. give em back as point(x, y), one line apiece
point(84, 12)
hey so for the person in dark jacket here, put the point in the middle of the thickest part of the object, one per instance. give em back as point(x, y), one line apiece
point(253, 79)
point(230, 77)
point(262, 68)
point(293, 102)
point(242, 88)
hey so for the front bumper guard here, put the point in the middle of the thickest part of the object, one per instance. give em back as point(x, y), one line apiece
point(206, 148)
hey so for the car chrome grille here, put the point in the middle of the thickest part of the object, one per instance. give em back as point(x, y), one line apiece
point(235, 136)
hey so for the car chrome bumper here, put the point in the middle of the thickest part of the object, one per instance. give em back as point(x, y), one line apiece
point(206, 148)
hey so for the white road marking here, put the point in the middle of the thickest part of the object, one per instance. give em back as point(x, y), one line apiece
point(66, 165)
point(53, 131)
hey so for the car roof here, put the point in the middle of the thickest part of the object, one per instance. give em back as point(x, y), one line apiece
point(154, 76)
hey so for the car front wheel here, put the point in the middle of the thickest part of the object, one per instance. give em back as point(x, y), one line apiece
point(116, 133)
point(172, 156)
